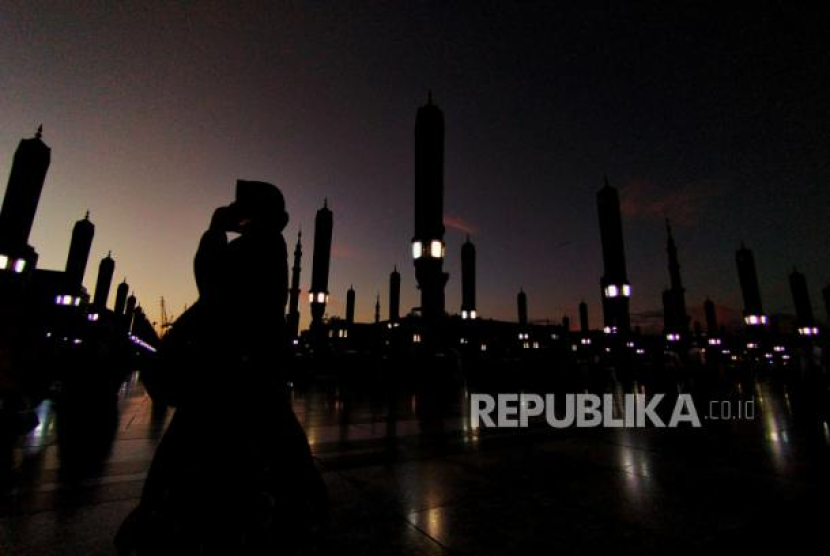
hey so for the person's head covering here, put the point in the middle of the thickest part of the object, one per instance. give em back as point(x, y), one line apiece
point(262, 201)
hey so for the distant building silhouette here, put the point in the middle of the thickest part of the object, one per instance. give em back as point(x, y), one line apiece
point(293, 316)
point(468, 280)
point(428, 246)
point(377, 309)
point(79, 247)
point(121, 293)
point(753, 310)
point(521, 304)
point(102, 286)
point(583, 318)
point(350, 300)
point(616, 291)
point(319, 292)
point(566, 323)
point(676, 319)
point(28, 173)
point(394, 295)
point(803, 309)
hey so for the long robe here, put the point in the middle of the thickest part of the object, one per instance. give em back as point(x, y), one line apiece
point(234, 473)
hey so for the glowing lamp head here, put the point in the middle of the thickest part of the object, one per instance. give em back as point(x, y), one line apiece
point(15, 265)
point(755, 320)
point(808, 331)
point(67, 300)
point(434, 249)
point(617, 290)
point(417, 249)
point(318, 297)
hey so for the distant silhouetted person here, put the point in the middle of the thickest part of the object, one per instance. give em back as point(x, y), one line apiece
point(234, 473)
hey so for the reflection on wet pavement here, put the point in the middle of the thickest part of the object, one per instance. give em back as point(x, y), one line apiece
point(408, 474)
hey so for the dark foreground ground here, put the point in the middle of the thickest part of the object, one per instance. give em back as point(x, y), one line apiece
point(410, 479)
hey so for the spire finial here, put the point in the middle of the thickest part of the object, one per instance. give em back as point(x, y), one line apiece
point(429, 97)
point(326, 202)
point(109, 254)
point(605, 177)
point(395, 268)
point(86, 217)
point(39, 133)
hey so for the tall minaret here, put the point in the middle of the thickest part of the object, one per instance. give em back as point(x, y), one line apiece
point(319, 292)
point(521, 302)
point(129, 308)
point(753, 311)
point(121, 293)
point(79, 247)
point(711, 317)
point(428, 242)
point(803, 307)
point(616, 291)
point(293, 317)
point(104, 282)
point(468, 280)
point(676, 320)
point(377, 309)
point(350, 301)
point(583, 318)
point(394, 295)
point(29, 167)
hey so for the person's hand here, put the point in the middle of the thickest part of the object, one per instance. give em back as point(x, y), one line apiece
point(223, 220)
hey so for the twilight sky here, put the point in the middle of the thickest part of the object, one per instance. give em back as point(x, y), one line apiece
point(715, 118)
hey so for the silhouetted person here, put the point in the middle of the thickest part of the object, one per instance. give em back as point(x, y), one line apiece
point(234, 472)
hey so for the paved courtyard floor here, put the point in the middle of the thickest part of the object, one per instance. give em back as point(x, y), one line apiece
point(404, 484)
